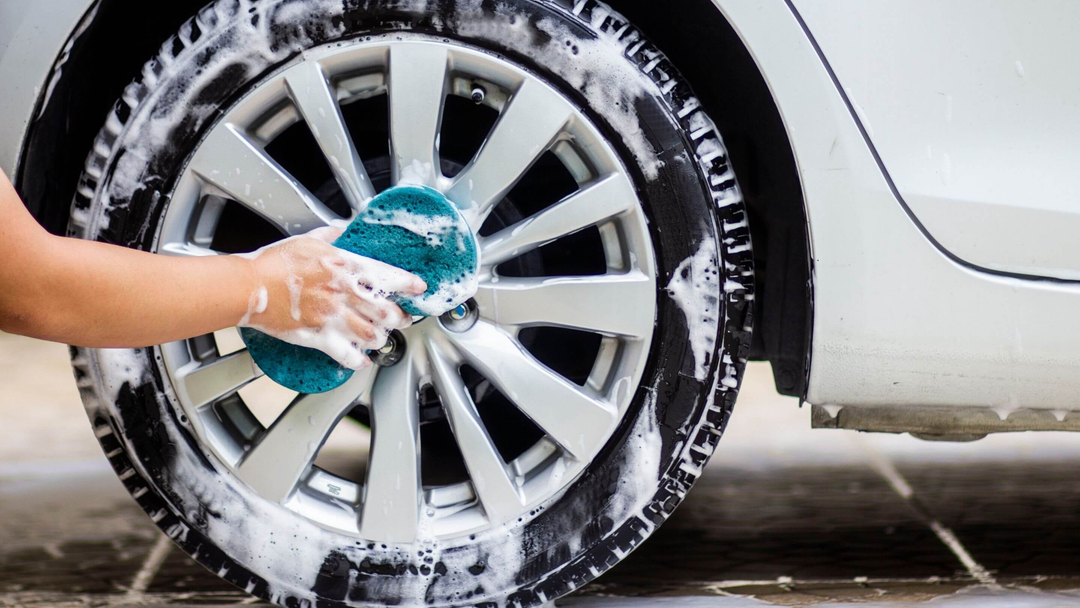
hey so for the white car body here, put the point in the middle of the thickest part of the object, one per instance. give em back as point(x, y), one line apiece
point(935, 149)
point(32, 35)
point(900, 319)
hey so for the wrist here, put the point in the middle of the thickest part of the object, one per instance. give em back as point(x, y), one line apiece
point(246, 278)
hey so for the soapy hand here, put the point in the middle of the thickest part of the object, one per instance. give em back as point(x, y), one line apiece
point(310, 293)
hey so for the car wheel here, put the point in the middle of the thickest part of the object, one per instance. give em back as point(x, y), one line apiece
point(539, 433)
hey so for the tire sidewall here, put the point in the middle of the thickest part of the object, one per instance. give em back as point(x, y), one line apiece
point(616, 502)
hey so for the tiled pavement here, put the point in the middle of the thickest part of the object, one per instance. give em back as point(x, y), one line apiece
point(784, 515)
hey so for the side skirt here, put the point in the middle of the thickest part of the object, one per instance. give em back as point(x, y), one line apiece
point(942, 423)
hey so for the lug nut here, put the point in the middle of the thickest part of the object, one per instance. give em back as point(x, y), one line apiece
point(460, 318)
point(388, 347)
point(459, 313)
point(478, 93)
point(391, 352)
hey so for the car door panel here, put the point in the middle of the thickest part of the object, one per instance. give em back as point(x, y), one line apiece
point(974, 108)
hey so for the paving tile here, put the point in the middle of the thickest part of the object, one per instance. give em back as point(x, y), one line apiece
point(73, 566)
point(834, 523)
point(179, 573)
point(1016, 519)
point(784, 514)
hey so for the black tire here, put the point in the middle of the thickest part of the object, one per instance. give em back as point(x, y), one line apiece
point(702, 244)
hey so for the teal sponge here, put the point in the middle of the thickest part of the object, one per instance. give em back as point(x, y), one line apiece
point(412, 227)
point(302, 369)
point(416, 228)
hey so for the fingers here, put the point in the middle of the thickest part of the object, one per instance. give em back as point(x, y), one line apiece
point(369, 335)
point(329, 299)
point(379, 310)
point(416, 285)
point(404, 319)
point(383, 277)
point(348, 354)
point(363, 332)
point(351, 347)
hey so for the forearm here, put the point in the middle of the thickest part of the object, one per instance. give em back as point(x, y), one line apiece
point(302, 290)
point(98, 295)
point(92, 294)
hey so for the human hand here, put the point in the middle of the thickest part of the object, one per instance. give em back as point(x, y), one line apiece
point(310, 293)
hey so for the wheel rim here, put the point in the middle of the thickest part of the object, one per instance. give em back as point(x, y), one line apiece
point(392, 504)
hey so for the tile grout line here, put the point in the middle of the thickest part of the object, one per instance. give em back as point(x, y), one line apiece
point(150, 567)
point(884, 467)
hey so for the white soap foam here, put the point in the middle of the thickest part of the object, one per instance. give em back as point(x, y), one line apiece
point(695, 287)
point(123, 366)
point(262, 299)
point(433, 228)
point(640, 472)
point(417, 173)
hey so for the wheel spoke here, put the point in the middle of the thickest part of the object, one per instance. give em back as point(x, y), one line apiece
point(616, 304)
point(573, 419)
point(245, 172)
point(392, 490)
point(285, 452)
point(416, 89)
point(211, 381)
point(533, 118)
point(588, 207)
point(501, 497)
point(313, 96)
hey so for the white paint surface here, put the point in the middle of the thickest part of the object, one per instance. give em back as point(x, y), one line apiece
point(31, 36)
point(975, 107)
point(895, 321)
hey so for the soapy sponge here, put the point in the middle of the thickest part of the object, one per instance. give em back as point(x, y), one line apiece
point(412, 227)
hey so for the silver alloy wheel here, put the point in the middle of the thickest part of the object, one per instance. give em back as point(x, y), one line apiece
point(417, 72)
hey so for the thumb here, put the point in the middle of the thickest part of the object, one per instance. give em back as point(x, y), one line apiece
point(327, 234)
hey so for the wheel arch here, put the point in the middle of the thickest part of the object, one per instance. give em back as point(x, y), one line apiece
point(103, 53)
point(696, 36)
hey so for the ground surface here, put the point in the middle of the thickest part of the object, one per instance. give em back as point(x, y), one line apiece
point(784, 515)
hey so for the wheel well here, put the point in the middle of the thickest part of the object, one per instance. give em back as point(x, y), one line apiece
point(710, 55)
point(118, 38)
